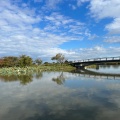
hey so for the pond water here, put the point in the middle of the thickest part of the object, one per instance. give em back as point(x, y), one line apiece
point(113, 69)
point(59, 96)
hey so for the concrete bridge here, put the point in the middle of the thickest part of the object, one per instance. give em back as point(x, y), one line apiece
point(99, 61)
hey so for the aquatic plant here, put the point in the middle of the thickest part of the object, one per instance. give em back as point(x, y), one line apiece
point(30, 70)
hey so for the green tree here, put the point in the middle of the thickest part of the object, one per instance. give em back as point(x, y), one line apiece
point(1, 62)
point(10, 61)
point(59, 58)
point(38, 61)
point(25, 61)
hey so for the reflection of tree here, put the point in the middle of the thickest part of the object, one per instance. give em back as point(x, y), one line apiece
point(105, 66)
point(38, 75)
point(24, 79)
point(60, 79)
point(97, 67)
point(115, 66)
point(108, 66)
point(8, 78)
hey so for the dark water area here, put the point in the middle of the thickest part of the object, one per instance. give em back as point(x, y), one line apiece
point(59, 96)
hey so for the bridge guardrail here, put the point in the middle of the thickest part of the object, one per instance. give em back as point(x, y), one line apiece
point(98, 59)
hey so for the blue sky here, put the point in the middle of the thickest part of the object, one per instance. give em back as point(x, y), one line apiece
point(79, 29)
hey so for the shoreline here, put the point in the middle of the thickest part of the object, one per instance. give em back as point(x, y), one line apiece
point(33, 69)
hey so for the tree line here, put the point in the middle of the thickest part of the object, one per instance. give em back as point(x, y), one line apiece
point(21, 61)
point(24, 60)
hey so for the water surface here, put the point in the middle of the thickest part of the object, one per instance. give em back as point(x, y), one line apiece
point(59, 96)
point(113, 69)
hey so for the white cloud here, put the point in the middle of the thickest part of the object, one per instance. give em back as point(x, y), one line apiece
point(113, 39)
point(65, 26)
point(59, 19)
point(95, 52)
point(101, 9)
point(105, 8)
point(25, 32)
point(80, 2)
point(72, 6)
point(20, 34)
point(52, 4)
point(114, 27)
point(38, 0)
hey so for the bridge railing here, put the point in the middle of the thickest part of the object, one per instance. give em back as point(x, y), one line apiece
point(99, 59)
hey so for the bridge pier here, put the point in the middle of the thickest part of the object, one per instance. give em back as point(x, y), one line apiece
point(80, 67)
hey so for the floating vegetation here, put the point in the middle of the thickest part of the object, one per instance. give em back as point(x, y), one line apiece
point(16, 70)
point(30, 70)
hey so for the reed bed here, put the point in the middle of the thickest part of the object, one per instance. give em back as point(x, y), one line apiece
point(16, 70)
point(30, 70)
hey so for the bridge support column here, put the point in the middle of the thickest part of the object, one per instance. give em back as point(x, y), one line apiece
point(80, 67)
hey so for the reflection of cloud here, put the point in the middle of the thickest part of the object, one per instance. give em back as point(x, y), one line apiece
point(23, 78)
point(42, 99)
point(114, 86)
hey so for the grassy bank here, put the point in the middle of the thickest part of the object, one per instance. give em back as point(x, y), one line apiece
point(30, 70)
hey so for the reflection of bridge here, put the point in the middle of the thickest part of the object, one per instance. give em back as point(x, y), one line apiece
point(92, 74)
point(83, 63)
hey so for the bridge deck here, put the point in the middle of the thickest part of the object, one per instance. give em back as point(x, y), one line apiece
point(96, 61)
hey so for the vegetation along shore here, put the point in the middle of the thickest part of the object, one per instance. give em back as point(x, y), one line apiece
point(26, 65)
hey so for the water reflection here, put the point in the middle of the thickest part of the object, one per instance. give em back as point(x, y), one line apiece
point(38, 75)
point(95, 74)
point(59, 79)
point(73, 97)
point(23, 79)
point(113, 69)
